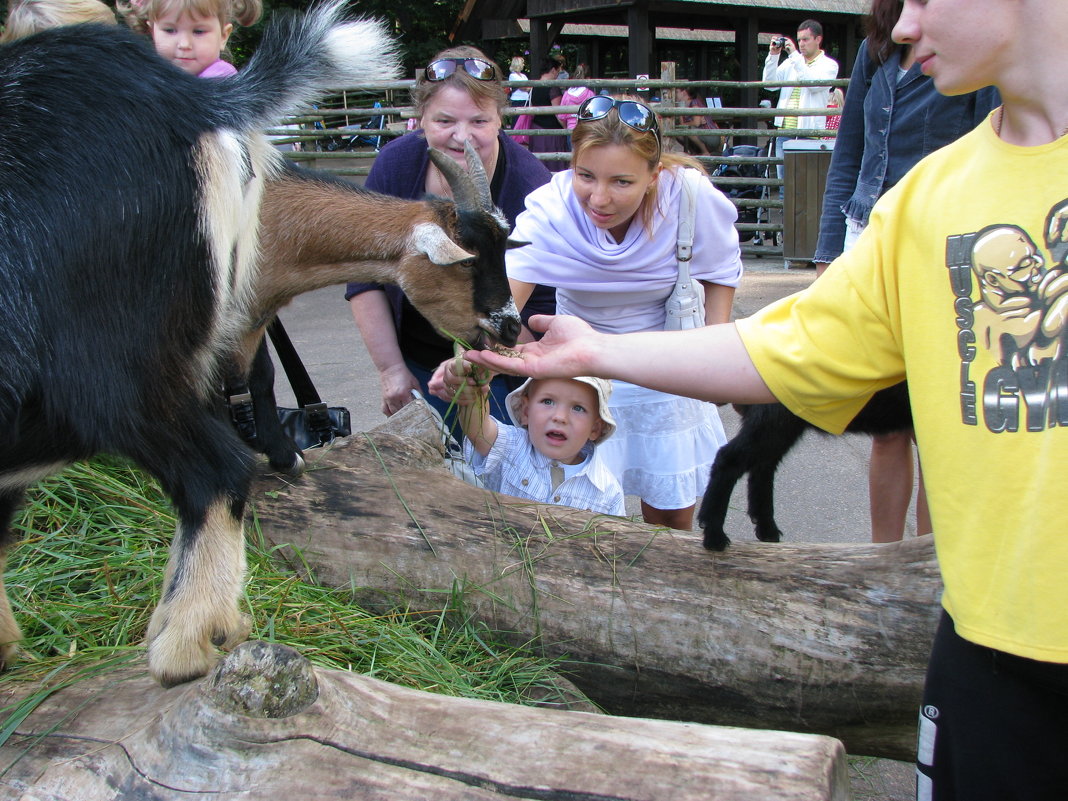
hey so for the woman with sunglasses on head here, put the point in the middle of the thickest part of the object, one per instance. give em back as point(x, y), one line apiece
point(458, 97)
point(604, 235)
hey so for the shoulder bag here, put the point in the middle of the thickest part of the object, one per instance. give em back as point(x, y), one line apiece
point(312, 424)
point(685, 306)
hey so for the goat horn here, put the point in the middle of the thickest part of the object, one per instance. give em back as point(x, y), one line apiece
point(477, 170)
point(463, 188)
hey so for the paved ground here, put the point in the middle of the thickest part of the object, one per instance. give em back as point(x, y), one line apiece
point(821, 492)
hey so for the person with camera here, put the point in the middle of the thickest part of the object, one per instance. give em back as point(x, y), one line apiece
point(805, 61)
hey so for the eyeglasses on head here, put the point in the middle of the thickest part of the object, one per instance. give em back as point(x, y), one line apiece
point(477, 68)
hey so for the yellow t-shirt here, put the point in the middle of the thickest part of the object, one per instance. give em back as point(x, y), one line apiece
point(960, 284)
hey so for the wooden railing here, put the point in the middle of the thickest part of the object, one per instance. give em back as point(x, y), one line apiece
point(344, 134)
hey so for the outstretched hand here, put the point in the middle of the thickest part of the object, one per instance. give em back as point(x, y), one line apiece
point(568, 349)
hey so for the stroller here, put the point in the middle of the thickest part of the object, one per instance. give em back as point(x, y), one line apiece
point(746, 214)
point(349, 138)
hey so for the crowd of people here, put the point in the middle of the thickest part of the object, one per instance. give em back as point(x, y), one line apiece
point(931, 268)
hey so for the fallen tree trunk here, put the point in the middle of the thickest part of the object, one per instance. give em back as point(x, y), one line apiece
point(266, 725)
point(831, 639)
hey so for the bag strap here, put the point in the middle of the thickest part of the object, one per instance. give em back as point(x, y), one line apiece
point(687, 223)
point(303, 388)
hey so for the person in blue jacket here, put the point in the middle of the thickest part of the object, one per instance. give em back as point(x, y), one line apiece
point(459, 96)
point(893, 117)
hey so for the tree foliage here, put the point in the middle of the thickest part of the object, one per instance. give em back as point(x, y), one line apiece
point(421, 26)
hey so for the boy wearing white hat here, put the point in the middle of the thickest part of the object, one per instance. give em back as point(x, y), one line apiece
point(549, 454)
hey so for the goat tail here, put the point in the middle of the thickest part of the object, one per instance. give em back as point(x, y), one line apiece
point(302, 56)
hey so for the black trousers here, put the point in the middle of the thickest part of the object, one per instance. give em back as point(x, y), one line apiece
point(993, 726)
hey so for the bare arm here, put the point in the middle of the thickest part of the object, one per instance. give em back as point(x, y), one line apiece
point(709, 363)
point(718, 302)
point(374, 319)
point(521, 292)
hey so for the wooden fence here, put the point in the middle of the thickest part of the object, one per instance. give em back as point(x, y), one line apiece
point(344, 134)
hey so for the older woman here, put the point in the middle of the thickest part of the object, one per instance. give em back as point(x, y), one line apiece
point(458, 97)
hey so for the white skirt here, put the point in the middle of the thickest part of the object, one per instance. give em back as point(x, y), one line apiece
point(664, 445)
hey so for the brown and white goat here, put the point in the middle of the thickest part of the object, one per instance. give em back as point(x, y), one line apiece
point(317, 230)
point(134, 272)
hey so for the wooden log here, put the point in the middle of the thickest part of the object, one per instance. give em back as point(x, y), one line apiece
point(831, 639)
point(266, 725)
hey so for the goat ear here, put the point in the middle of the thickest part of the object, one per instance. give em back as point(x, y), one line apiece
point(432, 241)
point(514, 243)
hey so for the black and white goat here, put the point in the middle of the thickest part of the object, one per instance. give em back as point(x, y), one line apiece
point(137, 273)
point(767, 433)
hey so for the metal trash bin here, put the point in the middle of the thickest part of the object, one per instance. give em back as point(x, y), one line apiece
point(805, 162)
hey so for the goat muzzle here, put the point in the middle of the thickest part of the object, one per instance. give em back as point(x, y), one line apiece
point(505, 333)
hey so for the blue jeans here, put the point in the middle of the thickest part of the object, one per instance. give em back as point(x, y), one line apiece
point(780, 169)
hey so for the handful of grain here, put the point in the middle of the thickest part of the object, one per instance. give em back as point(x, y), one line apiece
point(504, 350)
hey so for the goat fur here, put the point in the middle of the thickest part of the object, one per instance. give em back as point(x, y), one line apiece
point(767, 433)
point(318, 230)
point(136, 276)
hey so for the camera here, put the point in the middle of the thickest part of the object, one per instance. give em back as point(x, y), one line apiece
point(780, 42)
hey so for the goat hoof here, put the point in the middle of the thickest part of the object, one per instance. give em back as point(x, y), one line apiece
point(178, 652)
point(768, 534)
point(8, 653)
point(228, 640)
point(716, 541)
point(293, 468)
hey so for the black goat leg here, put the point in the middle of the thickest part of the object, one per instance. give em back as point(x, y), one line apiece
point(767, 433)
point(282, 453)
point(761, 495)
point(728, 467)
point(774, 431)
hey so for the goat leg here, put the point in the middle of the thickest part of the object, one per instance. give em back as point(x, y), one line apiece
point(10, 634)
point(727, 469)
point(767, 433)
point(208, 477)
point(271, 439)
point(761, 496)
point(771, 431)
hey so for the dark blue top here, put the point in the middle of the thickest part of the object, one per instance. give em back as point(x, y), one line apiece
point(887, 126)
point(400, 170)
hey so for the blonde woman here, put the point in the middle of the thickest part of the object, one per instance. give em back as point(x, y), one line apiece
point(603, 233)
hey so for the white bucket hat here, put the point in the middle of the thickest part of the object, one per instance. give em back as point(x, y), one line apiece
point(603, 388)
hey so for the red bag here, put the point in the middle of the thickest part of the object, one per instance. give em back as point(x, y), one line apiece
point(524, 122)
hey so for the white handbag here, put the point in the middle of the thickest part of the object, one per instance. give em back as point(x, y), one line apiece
point(685, 306)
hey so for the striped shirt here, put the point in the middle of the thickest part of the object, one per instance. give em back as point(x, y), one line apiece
point(514, 467)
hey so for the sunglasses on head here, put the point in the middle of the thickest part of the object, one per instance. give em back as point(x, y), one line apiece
point(477, 68)
point(631, 113)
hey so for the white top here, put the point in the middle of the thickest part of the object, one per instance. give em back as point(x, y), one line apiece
point(621, 287)
point(514, 467)
point(795, 68)
point(519, 93)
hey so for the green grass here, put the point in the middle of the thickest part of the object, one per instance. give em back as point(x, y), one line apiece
point(86, 576)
